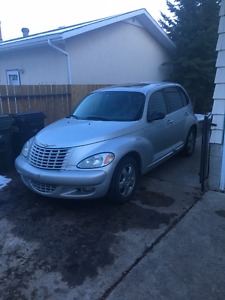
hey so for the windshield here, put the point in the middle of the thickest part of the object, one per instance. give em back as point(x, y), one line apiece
point(111, 106)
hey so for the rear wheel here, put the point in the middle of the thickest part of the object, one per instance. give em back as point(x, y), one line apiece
point(189, 146)
point(124, 181)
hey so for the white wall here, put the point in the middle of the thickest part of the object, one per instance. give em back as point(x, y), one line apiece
point(37, 66)
point(120, 53)
point(217, 147)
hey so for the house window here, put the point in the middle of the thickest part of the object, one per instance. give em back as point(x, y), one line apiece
point(13, 77)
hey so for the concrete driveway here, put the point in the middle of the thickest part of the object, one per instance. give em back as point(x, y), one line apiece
point(54, 249)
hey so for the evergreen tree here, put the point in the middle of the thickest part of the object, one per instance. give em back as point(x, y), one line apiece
point(193, 26)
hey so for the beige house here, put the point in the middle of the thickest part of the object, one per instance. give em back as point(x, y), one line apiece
point(129, 47)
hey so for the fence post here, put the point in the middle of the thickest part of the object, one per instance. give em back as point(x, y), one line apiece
point(205, 151)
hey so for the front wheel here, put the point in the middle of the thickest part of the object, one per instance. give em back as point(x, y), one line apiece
point(124, 181)
point(189, 146)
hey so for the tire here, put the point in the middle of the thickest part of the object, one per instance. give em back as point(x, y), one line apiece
point(124, 181)
point(189, 145)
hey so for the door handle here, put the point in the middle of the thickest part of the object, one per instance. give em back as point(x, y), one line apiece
point(170, 121)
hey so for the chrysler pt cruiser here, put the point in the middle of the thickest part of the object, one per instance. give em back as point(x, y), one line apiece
point(112, 137)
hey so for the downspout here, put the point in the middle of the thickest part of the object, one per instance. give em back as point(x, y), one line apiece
point(67, 59)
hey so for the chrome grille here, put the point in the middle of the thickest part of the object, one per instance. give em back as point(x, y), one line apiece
point(48, 158)
point(42, 187)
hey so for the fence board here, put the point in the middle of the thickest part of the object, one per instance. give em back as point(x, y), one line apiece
point(55, 101)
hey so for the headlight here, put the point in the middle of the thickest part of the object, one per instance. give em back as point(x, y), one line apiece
point(96, 161)
point(25, 149)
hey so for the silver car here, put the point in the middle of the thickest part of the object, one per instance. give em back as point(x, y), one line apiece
point(109, 140)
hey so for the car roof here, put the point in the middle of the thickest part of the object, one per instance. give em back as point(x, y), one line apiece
point(143, 87)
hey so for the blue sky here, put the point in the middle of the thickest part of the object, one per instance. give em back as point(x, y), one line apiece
point(43, 15)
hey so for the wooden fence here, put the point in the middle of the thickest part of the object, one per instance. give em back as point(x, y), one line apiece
point(55, 101)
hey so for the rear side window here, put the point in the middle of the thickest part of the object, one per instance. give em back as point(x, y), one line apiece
point(174, 99)
point(185, 98)
point(157, 103)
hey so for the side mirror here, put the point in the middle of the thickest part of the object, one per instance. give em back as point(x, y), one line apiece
point(156, 115)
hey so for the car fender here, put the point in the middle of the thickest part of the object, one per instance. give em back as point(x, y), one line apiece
point(121, 147)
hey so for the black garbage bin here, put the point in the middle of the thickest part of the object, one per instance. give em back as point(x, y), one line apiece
point(6, 156)
point(25, 126)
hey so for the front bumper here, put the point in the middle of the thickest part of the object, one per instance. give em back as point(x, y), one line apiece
point(77, 184)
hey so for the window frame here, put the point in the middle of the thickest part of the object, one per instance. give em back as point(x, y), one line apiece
point(184, 99)
point(149, 102)
point(13, 72)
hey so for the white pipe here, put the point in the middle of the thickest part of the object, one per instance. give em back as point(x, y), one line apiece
point(67, 59)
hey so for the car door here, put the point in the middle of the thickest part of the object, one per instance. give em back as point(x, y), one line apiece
point(177, 114)
point(159, 130)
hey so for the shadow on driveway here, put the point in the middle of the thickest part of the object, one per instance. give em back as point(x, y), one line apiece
point(57, 249)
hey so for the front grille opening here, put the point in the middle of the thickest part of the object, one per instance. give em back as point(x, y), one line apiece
point(43, 188)
point(48, 158)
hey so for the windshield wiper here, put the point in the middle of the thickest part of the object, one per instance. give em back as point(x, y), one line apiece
point(97, 118)
point(72, 116)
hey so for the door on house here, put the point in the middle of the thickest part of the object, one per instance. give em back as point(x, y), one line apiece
point(13, 77)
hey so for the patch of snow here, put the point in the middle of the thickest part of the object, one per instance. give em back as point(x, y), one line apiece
point(200, 117)
point(4, 181)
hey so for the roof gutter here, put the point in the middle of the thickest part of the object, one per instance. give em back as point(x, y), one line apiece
point(67, 59)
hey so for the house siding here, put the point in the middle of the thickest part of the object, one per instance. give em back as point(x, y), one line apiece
point(118, 53)
point(36, 66)
point(217, 147)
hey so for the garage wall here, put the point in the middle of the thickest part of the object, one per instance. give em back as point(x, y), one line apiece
point(118, 53)
point(42, 65)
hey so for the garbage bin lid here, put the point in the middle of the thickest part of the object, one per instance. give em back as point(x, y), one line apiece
point(28, 115)
point(6, 122)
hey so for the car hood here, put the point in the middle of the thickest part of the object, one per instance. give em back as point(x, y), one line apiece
point(71, 132)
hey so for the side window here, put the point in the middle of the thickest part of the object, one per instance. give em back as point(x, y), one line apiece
point(184, 97)
point(157, 103)
point(173, 99)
